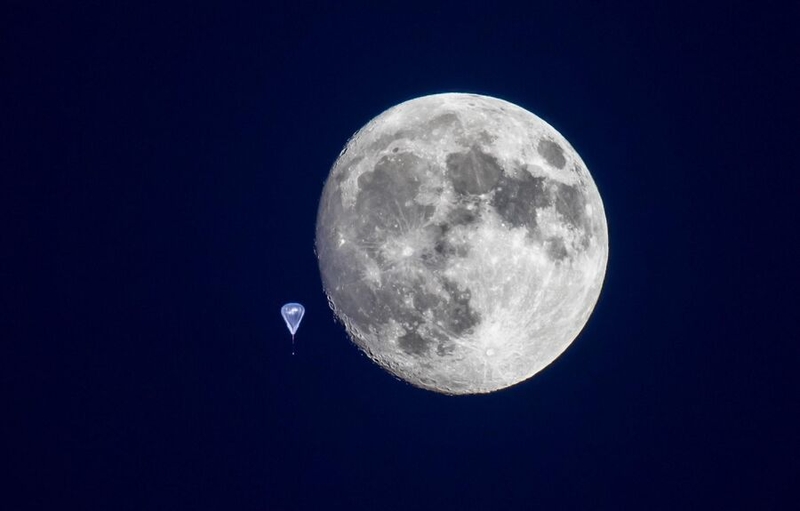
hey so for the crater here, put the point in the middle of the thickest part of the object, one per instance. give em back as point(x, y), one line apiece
point(552, 153)
point(444, 348)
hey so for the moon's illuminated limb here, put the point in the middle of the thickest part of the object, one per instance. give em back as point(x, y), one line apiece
point(462, 242)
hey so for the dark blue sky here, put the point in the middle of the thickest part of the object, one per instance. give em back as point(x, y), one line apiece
point(160, 172)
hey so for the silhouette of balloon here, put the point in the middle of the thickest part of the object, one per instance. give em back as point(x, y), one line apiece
point(293, 314)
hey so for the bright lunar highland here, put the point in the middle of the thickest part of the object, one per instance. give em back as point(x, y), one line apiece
point(462, 242)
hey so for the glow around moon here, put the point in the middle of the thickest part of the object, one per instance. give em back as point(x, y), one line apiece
point(462, 242)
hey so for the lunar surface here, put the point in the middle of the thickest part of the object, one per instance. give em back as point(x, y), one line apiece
point(462, 242)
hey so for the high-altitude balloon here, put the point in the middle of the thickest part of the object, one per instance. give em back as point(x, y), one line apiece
point(293, 314)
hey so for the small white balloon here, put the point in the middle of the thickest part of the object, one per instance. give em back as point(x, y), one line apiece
point(293, 314)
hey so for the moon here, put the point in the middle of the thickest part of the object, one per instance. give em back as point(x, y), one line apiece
point(462, 242)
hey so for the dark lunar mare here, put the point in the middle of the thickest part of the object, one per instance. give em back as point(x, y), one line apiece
point(556, 249)
point(517, 199)
point(472, 172)
point(343, 280)
point(384, 258)
point(384, 209)
point(571, 205)
point(385, 204)
point(552, 153)
point(570, 202)
point(453, 311)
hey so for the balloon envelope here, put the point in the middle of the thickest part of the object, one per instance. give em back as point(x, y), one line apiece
point(293, 314)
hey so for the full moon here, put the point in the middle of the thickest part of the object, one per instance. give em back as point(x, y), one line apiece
point(462, 242)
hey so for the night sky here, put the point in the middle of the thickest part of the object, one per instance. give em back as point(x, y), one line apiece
point(160, 172)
